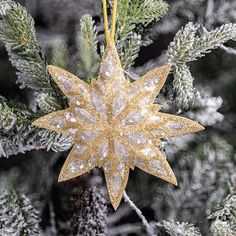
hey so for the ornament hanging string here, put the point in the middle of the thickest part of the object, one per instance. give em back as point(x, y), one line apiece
point(110, 34)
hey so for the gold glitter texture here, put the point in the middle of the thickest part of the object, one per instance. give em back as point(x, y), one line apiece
point(114, 124)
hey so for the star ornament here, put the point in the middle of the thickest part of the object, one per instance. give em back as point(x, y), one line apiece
point(115, 124)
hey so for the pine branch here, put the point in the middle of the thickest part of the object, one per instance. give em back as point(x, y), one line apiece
point(202, 183)
point(206, 109)
point(60, 55)
point(5, 6)
point(187, 47)
point(211, 40)
point(47, 102)
point(89, 60)
point(18, 34)
point(18, 135)
point(54, 141)
point(14, 115)
point(128, 49)
point(146, 11)
point(140, 214)
point(229, 50)
point(134, 16)
point(182, 43)
point(90, 214)
point(179, 229)
point(16, 132)
point(184, 93)
point(128, 228)
point(135, 12)
point(17, 215)
point(223, 218)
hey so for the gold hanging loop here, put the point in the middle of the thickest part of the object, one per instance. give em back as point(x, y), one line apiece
point(105, 16)
point(110, 36)
point(114, 15)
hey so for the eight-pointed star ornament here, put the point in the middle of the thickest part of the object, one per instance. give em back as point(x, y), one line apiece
point(115, 124)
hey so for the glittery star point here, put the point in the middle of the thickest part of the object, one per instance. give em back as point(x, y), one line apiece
point(115, 124)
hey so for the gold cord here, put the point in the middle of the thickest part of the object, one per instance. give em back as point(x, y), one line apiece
point(104, 2)
point(110, 36)
point(114, 14)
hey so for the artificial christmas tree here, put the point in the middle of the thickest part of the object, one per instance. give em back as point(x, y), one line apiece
point(204, 163)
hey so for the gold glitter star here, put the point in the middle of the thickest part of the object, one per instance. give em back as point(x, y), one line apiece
point(114, 124)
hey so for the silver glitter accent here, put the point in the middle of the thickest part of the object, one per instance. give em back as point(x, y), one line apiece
point(134, 117)
point(107, 166)
point(134, 91)
point(120, 149)
point(154, 119)
point(175, 126)
point(145, 101)
point(85, 116)
point(149, 152)
point(70, 117)
point(158, 132)
point(91, 160)
point(80, 149)
point(57, 122)
point(108, 67)
point(103, 149)
point(137, 138)
point(119, 104)
point(120, 167)
point(75, 166)
point(115, 182)
point(157, 166)
point(151, 84)
point(72, 131)
point(101, 85)
point(99, 104)
point(83, 90)
point(88, 135)
point(75, 101)
point(68, 84)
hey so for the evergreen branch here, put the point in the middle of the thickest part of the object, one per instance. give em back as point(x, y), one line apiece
point(5, 6)
point(124, 229)
point(210, 40)
point(144, 12)
point(229, 50)
point(123, 14)
point(18, 34)
point(140, 214)
point(54, 141)
point(179, 229)
point(60, 55)
point(17, 215)
point(134, 16)
point(187, 47)
point(128, 49)
point(90, 213)
point(47, 102)
point(18, 135)
point(184, 91)
point(14, 116)
point(206, 109)
point(135, 12)
point(16, 132)
point(182, 43)
point(223, 218)
point(89, 60)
